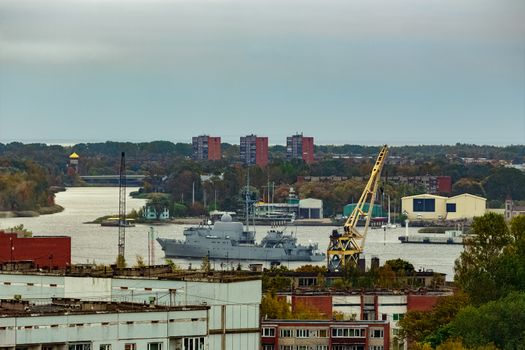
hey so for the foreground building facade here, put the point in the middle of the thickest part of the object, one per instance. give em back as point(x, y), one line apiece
point(71, 324)
point(233, 316)
point(368, 307)
point(324, 335)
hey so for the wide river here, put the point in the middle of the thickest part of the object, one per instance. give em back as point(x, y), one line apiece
point(93, 243)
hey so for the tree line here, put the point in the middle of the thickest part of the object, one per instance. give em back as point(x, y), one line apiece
point(24, 186)
point(488, 309)
point(164, 159)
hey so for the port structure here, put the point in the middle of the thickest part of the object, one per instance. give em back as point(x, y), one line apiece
point(122, 207)
point(345, 248)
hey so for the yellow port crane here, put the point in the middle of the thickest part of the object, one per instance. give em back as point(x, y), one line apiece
point(344, 249)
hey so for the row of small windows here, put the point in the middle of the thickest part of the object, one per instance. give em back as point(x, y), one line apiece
point(323, 347)
point(196, 343)
point(71, 325)
point(322, 333)
point(296, 347)
point(348, 332)
point(298, 333)
point(127, 346)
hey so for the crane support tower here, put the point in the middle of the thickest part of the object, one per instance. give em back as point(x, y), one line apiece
point(345, 249)
point(122, 207)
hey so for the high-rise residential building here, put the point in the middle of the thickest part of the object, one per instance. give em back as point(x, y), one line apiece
point(206, 147)
point(300, 147)
point(254, 150)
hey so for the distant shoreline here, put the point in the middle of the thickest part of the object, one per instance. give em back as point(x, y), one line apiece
point(31, 213)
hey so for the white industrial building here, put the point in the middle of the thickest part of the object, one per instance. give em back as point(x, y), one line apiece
point(432, 207)
point(71, 324)
point(234, 300)
point(311, 208)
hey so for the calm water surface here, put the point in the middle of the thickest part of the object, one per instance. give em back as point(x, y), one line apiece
point(99, 244)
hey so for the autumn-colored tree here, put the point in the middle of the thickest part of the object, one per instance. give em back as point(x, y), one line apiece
point(273, 307)
point(416, 326)
point(305, 311)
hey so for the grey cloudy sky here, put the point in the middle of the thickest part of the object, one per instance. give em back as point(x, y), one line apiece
point(352, 71)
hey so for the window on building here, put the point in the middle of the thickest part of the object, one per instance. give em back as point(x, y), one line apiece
point(130, 346)
point(302, 333)
point(80, 346)
point(286, 333)
point(375, 347)
point(302, 347)
point(321, 347)
point(193, 343)
point(268, 347)
point(377, 333)
point(398, 317)
point(286, 347)
point(424, 205)
point(322, 333)
point(451, 207)
point(268, 332)
point(154, 346)
point(102, 347)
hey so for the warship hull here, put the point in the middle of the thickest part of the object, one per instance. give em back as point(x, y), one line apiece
point(228, 240)
point(224, 250)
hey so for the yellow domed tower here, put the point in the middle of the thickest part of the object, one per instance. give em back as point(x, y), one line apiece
point(72, 168)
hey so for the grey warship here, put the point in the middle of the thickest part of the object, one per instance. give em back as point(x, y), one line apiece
point(226, 239)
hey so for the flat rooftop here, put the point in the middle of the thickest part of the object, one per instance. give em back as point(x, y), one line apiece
point(62, 306)
point(157, 272)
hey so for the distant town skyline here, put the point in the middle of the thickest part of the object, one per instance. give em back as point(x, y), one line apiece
point(363, 72)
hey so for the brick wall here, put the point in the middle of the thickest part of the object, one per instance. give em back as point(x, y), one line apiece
point(321, 303)
point(421, 302)
point(45, 252)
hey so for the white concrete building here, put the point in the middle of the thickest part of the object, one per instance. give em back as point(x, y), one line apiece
point(234, 301)
point(71, 324)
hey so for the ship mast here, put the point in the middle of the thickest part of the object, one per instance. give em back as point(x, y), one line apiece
point(246, 200)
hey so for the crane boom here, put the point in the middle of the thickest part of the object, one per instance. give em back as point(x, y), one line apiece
point(122, 207)
point(345, 249)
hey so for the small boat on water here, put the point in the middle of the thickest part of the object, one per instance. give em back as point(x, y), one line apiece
point(449, 237)
point(115, 222)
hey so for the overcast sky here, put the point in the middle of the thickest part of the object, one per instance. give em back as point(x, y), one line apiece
point(343, 71)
